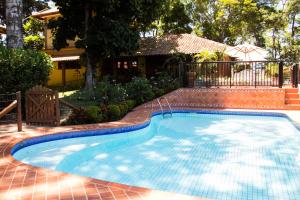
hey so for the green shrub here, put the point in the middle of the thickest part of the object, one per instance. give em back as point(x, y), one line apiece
point(163, 83)
point(104, 111)
point(117, 93)
point(109, 92)
point(22, 69)
point(79, 117)
point(123, 108)
point(140, 90)
point(95, 113)
point(130, 104)
point(114, 112)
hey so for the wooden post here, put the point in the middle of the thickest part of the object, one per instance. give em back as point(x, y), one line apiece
point(296, 75)
point(57, 110)
point(19, 110)
point(280, 74)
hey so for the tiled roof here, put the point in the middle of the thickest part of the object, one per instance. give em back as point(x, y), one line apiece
point(181, 43)
point(46, 12)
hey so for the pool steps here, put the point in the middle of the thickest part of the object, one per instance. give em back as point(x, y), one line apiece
point(292, 100)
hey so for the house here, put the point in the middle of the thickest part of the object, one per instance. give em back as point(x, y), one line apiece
point(154, 54)
point(66, 65)
point(159, 53)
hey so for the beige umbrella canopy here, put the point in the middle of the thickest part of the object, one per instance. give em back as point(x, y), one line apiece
point(247, 52)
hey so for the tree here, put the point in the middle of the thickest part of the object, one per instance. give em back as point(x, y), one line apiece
point(29, 6)
point(275, 33)
point(12, 14)
point(291, 49)
point(33, 34)
point(230, 21)
point(174, 18)
point(14, 17)
point(103, 28)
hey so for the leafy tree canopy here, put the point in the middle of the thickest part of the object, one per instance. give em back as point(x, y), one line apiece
point(33, 33)
point(113, 26)
point(175, 19)
point(230, 21)
point(28, 7)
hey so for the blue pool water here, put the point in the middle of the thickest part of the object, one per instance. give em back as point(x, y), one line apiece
point(217, 156)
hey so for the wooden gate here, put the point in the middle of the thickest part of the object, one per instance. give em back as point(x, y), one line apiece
point(42, 106)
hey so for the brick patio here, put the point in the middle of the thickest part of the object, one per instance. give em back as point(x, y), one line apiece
point(22, 181)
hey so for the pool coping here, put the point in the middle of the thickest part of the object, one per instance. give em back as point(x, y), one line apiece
point(138, 118)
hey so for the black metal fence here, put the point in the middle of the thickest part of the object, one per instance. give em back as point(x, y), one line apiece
point(238, 73)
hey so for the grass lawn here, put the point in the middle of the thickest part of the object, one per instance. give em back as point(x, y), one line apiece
point(76, 98)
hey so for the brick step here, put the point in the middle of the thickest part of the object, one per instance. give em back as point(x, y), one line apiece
point(292, 96)
point(292, 101)
point(292, 107)
point(291, 90)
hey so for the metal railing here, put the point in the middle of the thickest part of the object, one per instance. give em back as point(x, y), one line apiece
point(161, 106)
point(236, 73)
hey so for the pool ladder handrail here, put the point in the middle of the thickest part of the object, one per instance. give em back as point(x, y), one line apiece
point(161, 107)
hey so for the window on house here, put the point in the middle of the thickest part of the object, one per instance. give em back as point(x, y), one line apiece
point(119, 65)
point(127, 64)
point(69, 64)
point(134, 64)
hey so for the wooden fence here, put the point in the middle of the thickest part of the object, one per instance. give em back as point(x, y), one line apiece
point(11, 102)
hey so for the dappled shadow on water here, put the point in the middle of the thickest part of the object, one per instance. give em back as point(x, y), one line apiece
point(214, 156)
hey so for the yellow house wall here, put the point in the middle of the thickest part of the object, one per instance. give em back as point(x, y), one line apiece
point(72, 75)
point(55, 76)
point(49, 43)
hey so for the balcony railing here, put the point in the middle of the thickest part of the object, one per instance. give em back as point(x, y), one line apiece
point(238, 73)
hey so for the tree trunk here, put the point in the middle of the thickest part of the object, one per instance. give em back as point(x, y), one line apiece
point(293, 26)
point(89, 83)
point(89, 70)
point(14, 17)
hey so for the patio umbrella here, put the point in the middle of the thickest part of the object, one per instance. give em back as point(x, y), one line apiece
point(247, 52)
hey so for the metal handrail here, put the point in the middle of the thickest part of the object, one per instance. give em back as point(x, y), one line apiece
point(168, 104)
point(160, 105)
point(161, 108)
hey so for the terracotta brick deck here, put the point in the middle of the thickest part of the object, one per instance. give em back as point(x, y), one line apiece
point(22, 181)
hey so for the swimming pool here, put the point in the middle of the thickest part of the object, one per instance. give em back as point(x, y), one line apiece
point(221, 155)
